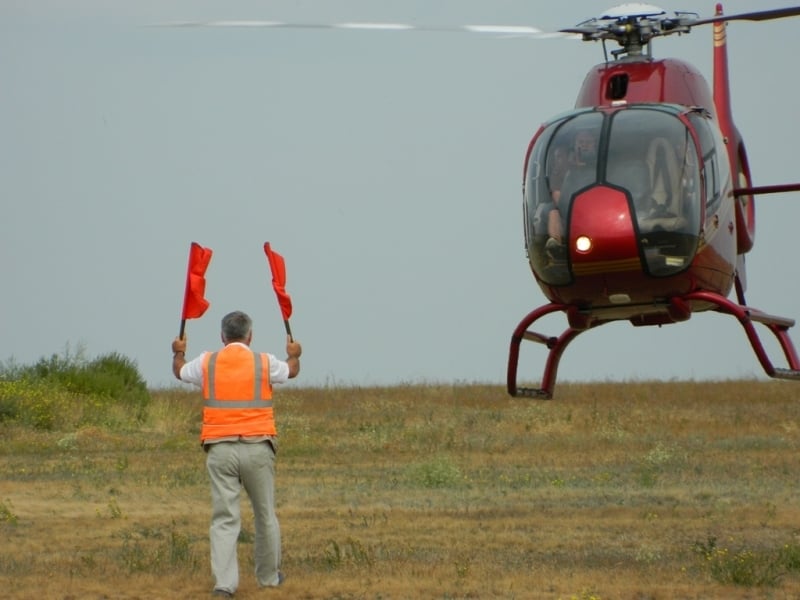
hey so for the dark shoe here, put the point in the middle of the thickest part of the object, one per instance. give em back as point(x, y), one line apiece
point(222, 594)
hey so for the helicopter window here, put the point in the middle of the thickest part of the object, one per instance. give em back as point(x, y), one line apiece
point(689, 179)
point(537, 188)
point(647, 157)
point(723, 169)
point(563, 158)
point(627, 149)
point(647, 139)
point(712, 185)
point(537, 194)
point(715, 164)
point(704, 134)
point(577, 143)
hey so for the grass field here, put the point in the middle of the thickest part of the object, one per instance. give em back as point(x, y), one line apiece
point(635, 491)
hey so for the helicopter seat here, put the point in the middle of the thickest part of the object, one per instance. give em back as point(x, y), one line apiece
point(664, 177)
point(633, 175)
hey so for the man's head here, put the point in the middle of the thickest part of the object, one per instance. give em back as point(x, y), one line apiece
point(585, 146)
point(237, 327)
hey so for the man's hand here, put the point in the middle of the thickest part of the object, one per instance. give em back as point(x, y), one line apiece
point(178, 356)
point(293, 349)
point(179, 345)
point(293, 352)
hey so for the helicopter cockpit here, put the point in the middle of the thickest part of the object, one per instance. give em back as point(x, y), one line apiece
point(645, 152)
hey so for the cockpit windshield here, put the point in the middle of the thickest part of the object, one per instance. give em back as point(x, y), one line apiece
point(645, 152)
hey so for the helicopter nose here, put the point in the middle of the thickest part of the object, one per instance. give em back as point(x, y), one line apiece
point(602, 236)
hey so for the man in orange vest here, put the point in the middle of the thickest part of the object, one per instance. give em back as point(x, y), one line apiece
point(239, 437)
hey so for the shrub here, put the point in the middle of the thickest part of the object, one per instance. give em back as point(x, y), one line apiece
point(113, 377)
point(69, 390)
point(32, 403)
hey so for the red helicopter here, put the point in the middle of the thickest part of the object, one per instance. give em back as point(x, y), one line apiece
point(639, 203)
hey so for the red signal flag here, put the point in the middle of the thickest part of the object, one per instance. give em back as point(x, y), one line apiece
point(278, 268)
point(194, 302)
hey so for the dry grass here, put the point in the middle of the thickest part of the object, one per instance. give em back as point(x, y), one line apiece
point(637, 491)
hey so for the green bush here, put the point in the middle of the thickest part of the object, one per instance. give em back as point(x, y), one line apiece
point(33, 403)
point(68, 390)
point(111, 377)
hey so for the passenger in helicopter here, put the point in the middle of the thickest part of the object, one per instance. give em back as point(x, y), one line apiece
point(557, 162)
point(581, 170)
point(557, 166)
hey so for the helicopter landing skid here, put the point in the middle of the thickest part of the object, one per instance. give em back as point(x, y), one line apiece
point(779, 326)
point(578, 323)
point(556, 346)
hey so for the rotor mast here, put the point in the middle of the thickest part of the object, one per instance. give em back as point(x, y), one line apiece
point(632, 26)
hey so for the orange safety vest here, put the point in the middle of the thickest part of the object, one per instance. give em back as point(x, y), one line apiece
point(237, 394)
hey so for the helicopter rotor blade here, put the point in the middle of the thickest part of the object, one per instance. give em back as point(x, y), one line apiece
point(497, 30)
point(579, 30)
point(761, 15)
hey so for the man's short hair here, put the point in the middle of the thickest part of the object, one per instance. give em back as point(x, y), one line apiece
point(236, 327)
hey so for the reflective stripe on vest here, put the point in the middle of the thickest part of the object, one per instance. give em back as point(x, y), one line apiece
point(237, 394)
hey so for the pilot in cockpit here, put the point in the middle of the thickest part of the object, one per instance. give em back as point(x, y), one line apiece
point(580, 171)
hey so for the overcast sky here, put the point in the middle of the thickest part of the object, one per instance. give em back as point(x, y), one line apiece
point(385, 166)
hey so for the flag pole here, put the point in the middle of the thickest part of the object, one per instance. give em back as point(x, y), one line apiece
point(182, 332)
point(186, 292)
point(288, 330)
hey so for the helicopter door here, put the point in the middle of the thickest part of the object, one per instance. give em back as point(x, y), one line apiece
point(562, 162)
point(652, 156)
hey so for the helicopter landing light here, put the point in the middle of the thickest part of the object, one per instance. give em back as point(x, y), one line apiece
point(583, 244)
point(619, 299)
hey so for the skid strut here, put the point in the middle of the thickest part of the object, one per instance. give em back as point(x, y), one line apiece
point(578, 323)
point(779, 326)
point(556, 346)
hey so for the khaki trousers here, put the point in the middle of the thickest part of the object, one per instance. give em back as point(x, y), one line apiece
point(231, 466)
